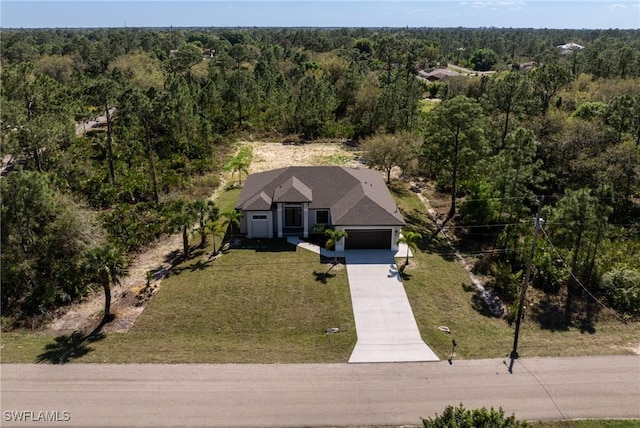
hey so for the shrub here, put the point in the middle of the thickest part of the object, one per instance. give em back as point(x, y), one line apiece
point(459, 417)
point(622, 288)
point(505, 282)
point(134, 226)
point(481, 207)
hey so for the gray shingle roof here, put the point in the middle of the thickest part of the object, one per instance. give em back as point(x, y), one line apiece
point(439, 74)
point(293, 190)
point(259, 202)
point(355, 196)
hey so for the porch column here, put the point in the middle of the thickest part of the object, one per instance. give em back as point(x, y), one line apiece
point(305, 219)
point(395, 235)
point(279, 219)
point(249, 225)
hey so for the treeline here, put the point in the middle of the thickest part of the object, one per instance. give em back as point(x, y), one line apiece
point(173, 99)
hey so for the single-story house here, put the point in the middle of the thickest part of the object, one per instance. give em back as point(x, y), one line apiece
point(439, 74)
point(291, 201)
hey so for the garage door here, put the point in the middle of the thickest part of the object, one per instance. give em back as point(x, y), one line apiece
point(260, 226)
point(368, 239)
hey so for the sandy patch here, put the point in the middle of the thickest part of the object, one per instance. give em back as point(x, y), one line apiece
point(267, 156)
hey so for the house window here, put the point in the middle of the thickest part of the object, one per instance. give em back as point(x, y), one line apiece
point(322, 217)
point(259, 217)
point(293, 217)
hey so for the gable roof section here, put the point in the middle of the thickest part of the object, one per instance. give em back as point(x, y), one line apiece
point(293, 190)
point(256, 183)
point(355, 196)
point(259, 202)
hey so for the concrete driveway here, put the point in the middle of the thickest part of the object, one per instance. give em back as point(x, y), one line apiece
point(386, 328)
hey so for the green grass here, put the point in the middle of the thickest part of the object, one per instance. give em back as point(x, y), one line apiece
point(426, 105)
point(441, 293)
point(334, 159)
point(227, 198)
point(259, 305)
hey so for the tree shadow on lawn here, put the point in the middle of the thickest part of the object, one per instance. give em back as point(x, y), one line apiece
point(478, 303)
point(402, 271)
point(199, 265)
point(398, 188)
point(429, 243)
point(323, 276)
point(159, 273)
point(70, 347)
point(550, 314)
point(436, 246)
point(173, 258)
point(417, 220)
point(192, 267)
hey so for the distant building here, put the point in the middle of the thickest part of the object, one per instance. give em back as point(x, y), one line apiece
point(569, 48)
point(439, 74)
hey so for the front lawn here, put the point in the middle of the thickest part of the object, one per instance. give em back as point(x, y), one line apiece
point(264, 304)
point(259, 304)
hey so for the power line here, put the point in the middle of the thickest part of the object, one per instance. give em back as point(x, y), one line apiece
point(517, 198)
point(523, 223)
point(483, 225)
point(514, 198)
point(577, 280)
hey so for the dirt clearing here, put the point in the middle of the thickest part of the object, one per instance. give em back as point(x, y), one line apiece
point(267, 156)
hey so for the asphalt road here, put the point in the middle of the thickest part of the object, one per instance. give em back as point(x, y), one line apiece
point(317, 394)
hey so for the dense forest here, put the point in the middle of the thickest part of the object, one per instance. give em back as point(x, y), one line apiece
point(530, 120)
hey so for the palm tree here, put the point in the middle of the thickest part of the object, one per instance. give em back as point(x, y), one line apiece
point(106, 265)
point(240, 163)
point(411, 239)
point(207, 211)
point(149, 278)
point(216, 228)
point(240, 166)
point(182, 220)
point(233, 217)
point(334, 237)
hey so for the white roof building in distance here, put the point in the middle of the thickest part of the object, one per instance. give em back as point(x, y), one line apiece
point(570, 47)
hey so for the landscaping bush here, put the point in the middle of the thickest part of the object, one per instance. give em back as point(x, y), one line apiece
point(459, 417)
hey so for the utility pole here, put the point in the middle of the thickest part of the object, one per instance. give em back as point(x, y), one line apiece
point(538, 222)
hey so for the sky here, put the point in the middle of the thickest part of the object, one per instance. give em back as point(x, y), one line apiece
point(572, 14)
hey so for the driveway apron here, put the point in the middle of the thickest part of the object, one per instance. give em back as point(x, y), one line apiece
point(386, 328)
